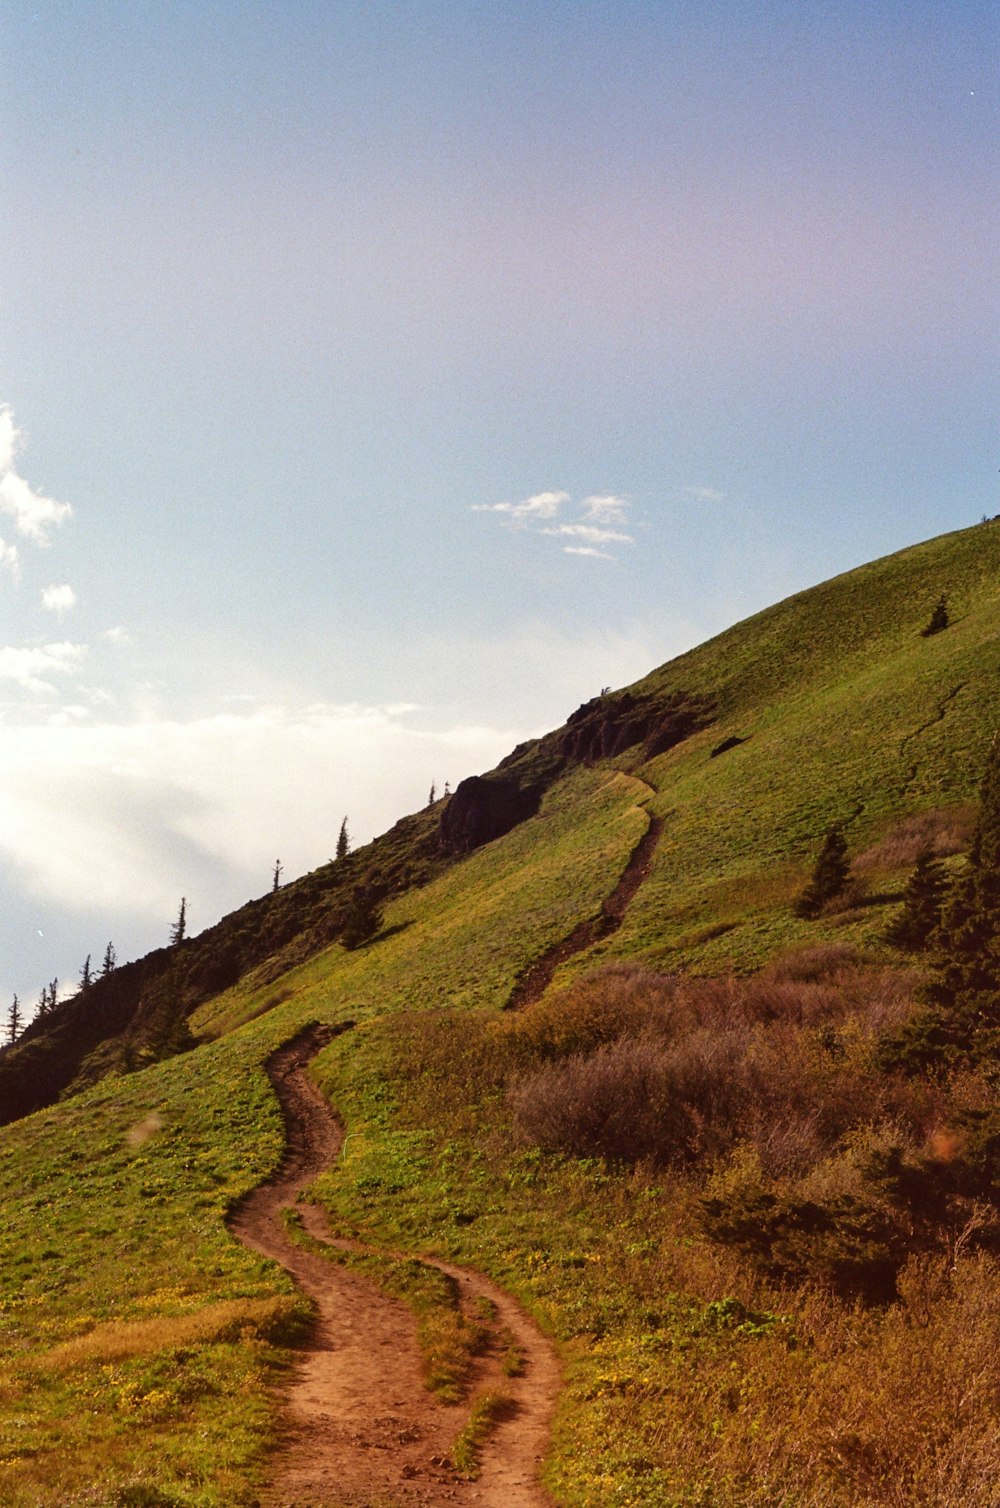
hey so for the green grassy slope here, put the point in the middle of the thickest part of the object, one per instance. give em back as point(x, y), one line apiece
point(848, 716)
point(113, 1201)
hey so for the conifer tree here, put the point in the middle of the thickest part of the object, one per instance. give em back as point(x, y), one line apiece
point(343, 841)
point(179, 929)
point(277, 875)
point(922, 904)
point(968, 986)
point(110, 961)
point(364, 915)
point(829, 877)
point(938, 619)
point(962, 1015)
point(86, 978)
point(433, 795)
point(14, 1021)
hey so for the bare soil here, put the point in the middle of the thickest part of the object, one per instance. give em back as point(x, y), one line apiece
point(361, 1429)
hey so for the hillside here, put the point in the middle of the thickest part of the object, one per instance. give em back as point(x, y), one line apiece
point(750, 1307)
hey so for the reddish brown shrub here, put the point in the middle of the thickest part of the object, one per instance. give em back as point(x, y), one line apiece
point(945, 831)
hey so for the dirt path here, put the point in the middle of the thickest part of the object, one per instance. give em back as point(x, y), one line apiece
point(363, 1430)
point(536, 978)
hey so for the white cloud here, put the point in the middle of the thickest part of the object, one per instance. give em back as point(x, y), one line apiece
point(604, 508)
point(127, 818)
point(705, 494)
point(541, 505)
point(34, 514)
point(596, 514)
point(58, 599)
point(9, 558)
point(27, 668)
point(117, 635)
point(591, 533)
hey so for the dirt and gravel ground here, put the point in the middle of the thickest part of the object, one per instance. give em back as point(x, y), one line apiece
point(361, 1428)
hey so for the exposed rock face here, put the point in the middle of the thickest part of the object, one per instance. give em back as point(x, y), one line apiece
point(608, 726)
point(482, 809)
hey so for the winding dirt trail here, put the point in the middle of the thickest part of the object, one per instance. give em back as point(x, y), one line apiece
point(362, 1428)
point(532, 983)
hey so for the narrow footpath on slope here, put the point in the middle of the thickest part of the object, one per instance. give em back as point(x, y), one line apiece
point(362, 1427)
point(532, 983)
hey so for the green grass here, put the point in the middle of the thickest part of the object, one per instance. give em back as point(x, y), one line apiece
point(113, 1238)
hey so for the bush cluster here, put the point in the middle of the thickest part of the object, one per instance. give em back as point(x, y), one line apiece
point(847, 1170)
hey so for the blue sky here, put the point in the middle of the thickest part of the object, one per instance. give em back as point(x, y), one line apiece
point(408, 372)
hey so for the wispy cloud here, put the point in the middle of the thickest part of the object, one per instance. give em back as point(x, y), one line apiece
point(705, 494)
point(590, 533)
point(58, 599)
point(605, 508)
point(34, 514)
point(597, 521)
point(28, 668)
point(530, 509)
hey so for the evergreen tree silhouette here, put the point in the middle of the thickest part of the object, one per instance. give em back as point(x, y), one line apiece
point(14, 1021)
point(364, 915)
point(179, 929)
point(829, 877)
point(923, 901)
point(938, 619)
point(961, 1018)
point(343, 841)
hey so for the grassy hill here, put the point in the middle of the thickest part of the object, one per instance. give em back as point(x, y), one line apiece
point(847, 1361)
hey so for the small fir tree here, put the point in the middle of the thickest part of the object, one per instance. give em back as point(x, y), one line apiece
point(179, 929)
point(14, 1021)
point(962, 1016)
point(938, 619)
point(86, 978)
point(829, 877)
point(276, 882)
point(364, 915)
point(433, 795)
point(923, 902)
point(343, 841)
point(110, 961)
point(969, 982)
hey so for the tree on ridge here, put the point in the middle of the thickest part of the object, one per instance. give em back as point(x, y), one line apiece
point(179, 929)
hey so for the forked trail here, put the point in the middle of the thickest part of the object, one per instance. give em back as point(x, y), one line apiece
point(362, 1427)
